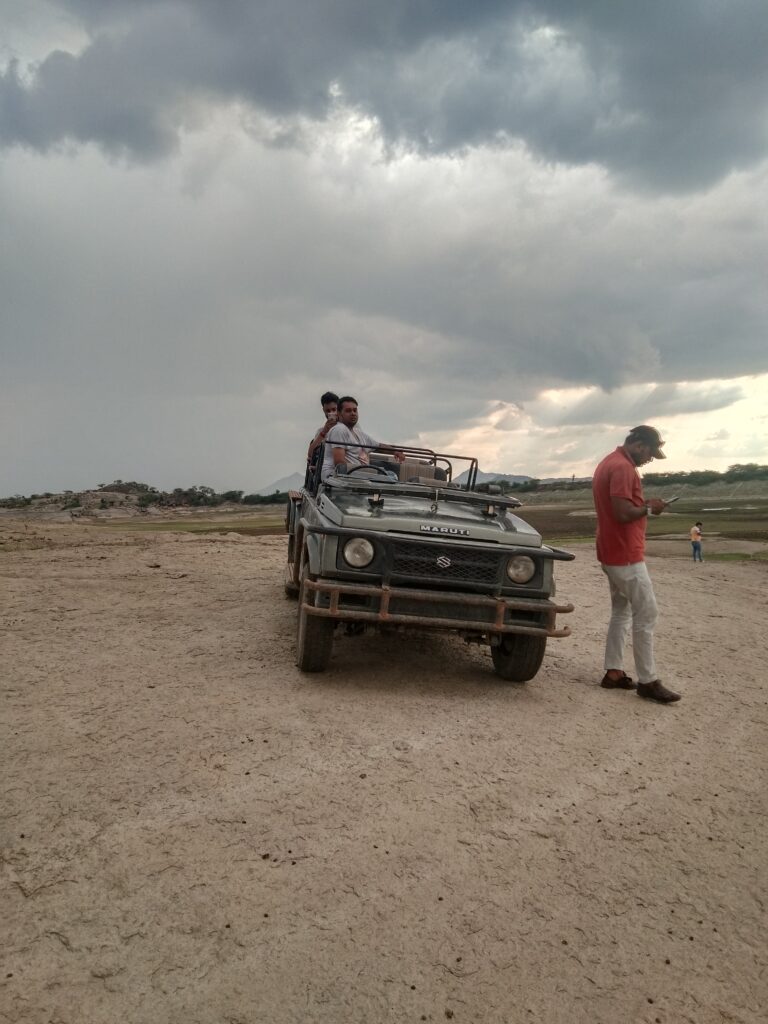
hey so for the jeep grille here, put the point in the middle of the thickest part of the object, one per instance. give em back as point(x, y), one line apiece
point(467, 565)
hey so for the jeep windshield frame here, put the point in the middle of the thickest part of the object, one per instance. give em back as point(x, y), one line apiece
point(385, 454)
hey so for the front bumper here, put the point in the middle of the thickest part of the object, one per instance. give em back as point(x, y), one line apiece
point(402, 606)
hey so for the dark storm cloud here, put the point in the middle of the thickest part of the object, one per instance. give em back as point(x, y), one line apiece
point(664, 95)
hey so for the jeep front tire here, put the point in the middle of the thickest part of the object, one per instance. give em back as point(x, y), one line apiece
point(314, 638)
point(518, 657)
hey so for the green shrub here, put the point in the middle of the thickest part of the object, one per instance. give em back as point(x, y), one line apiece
point(278, 498)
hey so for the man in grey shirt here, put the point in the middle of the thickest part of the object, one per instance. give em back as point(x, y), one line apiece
point(347, 433)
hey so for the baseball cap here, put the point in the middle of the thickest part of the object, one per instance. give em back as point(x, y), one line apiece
point(650, 436)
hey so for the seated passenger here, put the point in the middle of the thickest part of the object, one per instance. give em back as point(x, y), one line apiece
point(330, 403)
point(343, 439)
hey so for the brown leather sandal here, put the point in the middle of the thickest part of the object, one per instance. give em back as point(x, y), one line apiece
point(624, 682)
point(657, 691)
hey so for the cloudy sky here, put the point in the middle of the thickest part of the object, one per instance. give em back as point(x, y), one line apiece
point(510, 229)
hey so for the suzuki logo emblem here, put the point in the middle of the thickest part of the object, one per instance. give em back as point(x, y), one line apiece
point(443, 561)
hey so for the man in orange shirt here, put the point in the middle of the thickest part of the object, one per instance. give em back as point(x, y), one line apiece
point(621, 514)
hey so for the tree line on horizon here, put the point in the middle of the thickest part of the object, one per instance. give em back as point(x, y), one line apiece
point(737, 473)
point(199, 496)
point(202, 496)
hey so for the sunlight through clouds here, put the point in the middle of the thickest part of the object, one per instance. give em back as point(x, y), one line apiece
point(551, 436)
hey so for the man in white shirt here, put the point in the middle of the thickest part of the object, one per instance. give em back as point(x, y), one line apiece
point(343, 439)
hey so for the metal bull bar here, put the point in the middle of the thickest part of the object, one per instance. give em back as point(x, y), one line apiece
point(386, 594)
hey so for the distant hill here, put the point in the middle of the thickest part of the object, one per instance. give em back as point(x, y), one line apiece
point(485, 478)
point(294, 482)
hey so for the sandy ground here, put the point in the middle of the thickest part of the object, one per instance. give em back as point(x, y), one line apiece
point(195, 832)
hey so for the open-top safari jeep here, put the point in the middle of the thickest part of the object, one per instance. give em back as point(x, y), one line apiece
point(406, 545)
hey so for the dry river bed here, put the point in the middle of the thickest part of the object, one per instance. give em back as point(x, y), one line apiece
point(195, 832)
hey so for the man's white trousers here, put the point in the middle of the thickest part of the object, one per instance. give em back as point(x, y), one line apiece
point(633, 605)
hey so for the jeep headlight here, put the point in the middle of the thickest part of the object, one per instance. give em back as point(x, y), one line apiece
point(358, 552)
point(521, 568)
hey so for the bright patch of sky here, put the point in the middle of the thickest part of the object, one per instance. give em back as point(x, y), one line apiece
point(546, 436)
point(32, 28)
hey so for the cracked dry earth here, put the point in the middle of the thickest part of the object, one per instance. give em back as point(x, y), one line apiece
point(195, 832)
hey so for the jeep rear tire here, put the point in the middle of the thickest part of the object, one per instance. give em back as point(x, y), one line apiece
point(518, 657)
point(293, 569)
point(314, 637)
